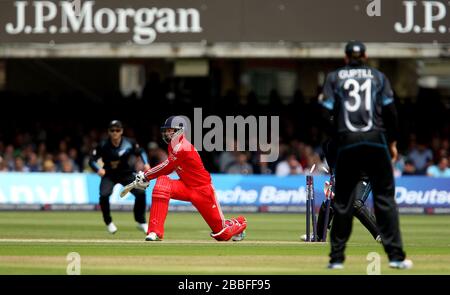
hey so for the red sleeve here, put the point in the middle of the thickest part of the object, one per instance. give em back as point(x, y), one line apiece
point(162, 168)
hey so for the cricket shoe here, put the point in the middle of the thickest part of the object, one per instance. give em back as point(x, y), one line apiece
point(335, 265)
point(405, 264)
point(311, 236)
point(112, 228)
point(241, 220)
point(142, 227)
point(233, 227)
point(152, 237)
point(378, 239)
point(238, 237)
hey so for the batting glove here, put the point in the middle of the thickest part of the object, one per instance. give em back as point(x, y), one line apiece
point(140, 181)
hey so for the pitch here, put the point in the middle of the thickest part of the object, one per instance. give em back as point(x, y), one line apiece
point(39, 242)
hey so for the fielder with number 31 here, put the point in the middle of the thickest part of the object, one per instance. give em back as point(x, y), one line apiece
point(365, 127)
point(193, 186)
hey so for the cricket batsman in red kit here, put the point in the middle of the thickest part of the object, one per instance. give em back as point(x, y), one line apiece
point(194, 185)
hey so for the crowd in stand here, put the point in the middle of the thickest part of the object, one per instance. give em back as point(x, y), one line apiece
point(41, 139)
point(26, 153)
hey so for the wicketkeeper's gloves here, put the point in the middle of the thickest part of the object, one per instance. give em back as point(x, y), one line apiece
point(328, 190)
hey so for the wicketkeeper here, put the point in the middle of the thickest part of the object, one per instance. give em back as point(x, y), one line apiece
point(194, 185)
point(360, 195)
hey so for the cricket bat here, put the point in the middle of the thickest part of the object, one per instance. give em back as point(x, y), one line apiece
point(127, 189)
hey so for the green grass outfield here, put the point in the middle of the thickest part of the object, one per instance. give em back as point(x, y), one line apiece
point(38, 243)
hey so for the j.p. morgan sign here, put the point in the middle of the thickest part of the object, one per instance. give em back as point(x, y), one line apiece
point(147, 21)
point(84, 17)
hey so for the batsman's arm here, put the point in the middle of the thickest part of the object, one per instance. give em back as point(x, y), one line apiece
point(163, 168)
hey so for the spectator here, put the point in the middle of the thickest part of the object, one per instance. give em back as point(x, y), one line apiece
point(41, 152)
point(262, 166)
point(435, 144)
point(241, 165)
point(63, 146)
point(306, 154)
point(33, 163)
point(67, 166)
point(439, 170)
point(156, 154)
point(422, 157)
point(63, 158)
point(227, 157)
point(399, 166)
point(441, 153)
point(445, 145)
point(8, 157)
point(73, 155)
point(27, 151)
point(48, 166)
point(3, 166)
point(409, 168)
point(19, 165)
point(290, 166)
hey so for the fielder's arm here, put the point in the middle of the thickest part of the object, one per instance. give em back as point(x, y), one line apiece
point(393, 151)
